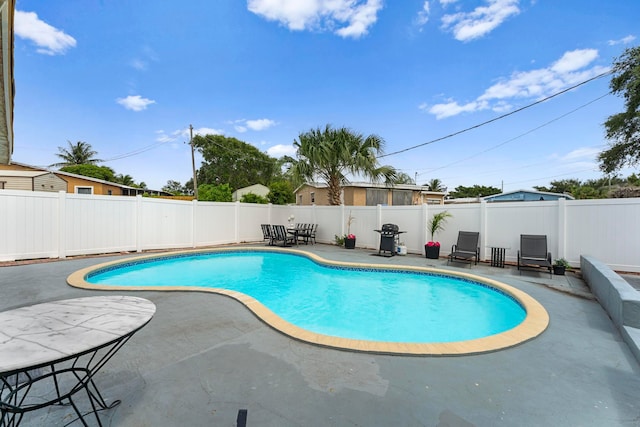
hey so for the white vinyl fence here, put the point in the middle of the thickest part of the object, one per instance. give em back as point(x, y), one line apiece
point(56, 225)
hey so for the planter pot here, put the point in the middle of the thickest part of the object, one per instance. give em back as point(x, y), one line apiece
point(432, 252)
point(559, 270)
point(350, 243)
point(402, 250)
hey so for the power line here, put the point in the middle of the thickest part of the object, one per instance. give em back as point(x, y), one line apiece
point(497, 118)
point(522, 134)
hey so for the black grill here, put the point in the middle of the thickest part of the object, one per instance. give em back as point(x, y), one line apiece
point(388, 239)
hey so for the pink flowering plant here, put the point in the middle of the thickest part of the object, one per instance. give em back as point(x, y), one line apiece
point(351, 236)
point(436, 224)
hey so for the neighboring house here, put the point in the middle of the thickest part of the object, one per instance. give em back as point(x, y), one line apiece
point(31, 181)
point(7, 8)
point(512, 196)
point(18, 176)
point(257, 189)
point(368, 194)
point(526, 196)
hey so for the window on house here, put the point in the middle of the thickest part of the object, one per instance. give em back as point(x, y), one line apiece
point(109, 193)
point(377, 196)
point(2, 183)
point(84, 190)
point(402, 197)
point(313, 197)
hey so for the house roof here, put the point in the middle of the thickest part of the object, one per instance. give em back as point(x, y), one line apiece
point(73, 175)
point(7, 8)
point(536, 192)
point(413, 187)
point(22, 174)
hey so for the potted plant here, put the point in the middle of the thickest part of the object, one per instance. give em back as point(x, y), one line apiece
point(350, 239)
point(560, 266)
point(435, 224)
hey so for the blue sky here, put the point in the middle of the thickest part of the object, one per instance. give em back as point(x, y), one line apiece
point(130, 77)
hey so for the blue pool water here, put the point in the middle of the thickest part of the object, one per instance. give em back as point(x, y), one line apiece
point(350, 303)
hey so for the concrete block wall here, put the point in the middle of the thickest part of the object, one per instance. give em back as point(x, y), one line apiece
point(619, 299)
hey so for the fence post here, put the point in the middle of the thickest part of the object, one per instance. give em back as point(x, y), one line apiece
point(562, 227)
point(139, 223)
point(62, 221)
point(425, 218)
point(236, 222)
point(484, 234)
point(379, 216)
point(194, 222)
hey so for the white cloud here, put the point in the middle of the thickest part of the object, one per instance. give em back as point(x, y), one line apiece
point(625, 40)
point(482, 20)
point(445, 3)
point(185, 134)
point(260, 124)
point(346, 18)
point(135, 102)
point(574, 60)
point(572, 68)
point(452, 108)
point(50, 40)
point(280, 150)
point(138, 64)
point(242, 125)
point(423, 15)
point(583, 153)
point(205, 131)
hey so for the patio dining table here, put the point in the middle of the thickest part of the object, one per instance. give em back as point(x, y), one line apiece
point(51, 351)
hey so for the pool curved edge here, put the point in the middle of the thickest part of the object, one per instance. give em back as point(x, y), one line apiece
point(534, 324)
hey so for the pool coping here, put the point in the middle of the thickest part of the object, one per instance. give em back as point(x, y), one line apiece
point(534, 324)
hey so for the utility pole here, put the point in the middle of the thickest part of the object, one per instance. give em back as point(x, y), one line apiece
point(193, 164)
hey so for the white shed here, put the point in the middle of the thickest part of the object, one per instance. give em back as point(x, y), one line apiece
point(257, 189)
point(31, 180)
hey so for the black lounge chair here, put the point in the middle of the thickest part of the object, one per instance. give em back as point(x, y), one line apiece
point(467, 247)
point(533, 252)
point(267, 233)
point(280, 234)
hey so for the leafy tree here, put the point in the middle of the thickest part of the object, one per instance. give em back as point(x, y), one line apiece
point(633, 179)
point(79, 153)
point(215, 193)
point(561, 186)
point(403, 178)
point(475, 191)
point(254, 198)
point(100, 172)
point(173, 187)
point(234, 162)
point(435, 185)
point(125, 180)
point(281, 193)
point(331, 154)
point(623, 129)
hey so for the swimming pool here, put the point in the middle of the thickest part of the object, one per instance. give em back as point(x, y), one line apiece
point(359, 307)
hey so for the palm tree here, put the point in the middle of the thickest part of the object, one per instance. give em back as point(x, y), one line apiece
point(79, 153)
point(436, 185)
point(332, 154)
point(125, 180)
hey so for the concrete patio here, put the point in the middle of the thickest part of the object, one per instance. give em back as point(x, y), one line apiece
point(204, 357)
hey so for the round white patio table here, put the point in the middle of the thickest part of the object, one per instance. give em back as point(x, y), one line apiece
point(51, 351)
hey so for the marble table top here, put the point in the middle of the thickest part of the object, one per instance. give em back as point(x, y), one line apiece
point(43, 333)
